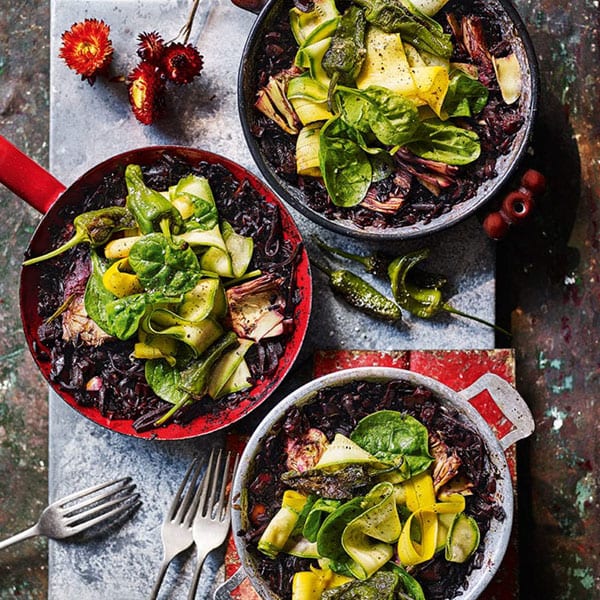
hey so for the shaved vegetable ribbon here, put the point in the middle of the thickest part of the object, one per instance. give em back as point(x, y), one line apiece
point(421, 501)
point(367, 539)
point(308, 585)
point(281, 526)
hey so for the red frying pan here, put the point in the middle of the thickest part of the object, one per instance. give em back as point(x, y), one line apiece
point(45, 193)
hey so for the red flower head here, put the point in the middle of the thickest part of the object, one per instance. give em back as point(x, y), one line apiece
point(146, 86)
point(181, 63)
point(151, 47)
point(87, 49)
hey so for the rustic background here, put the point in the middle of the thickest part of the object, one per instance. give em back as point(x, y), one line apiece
point(548, 291)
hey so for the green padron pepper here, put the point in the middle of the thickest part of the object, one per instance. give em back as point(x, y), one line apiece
point(360, 294)
point(424, 302)
point(95, 227)
point(151, 210)
point(344, 58)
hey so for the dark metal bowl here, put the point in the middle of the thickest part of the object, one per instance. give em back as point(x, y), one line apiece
point(514, 32)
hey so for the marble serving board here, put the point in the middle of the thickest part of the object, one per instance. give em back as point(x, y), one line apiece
point(91, 123)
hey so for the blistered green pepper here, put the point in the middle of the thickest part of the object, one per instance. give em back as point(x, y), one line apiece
point(152, 211)
point(360, 294)
point(424, 302)
point(420, 301)
point(344, 57)
point(378, 263)
point(95, 227)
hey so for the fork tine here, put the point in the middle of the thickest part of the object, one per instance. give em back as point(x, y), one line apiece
point(187, 500)
point(180, 497)
point(222, 512)
point(208, 475)
point(91, 500)
point(198, 495)
point(233, 474)
point(221, 503)
point(85, 516)
point(91, 490)
point(114, 513)
point(215, 474)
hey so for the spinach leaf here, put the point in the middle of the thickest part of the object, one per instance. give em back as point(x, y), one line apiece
point(125, 314)
point(382, 164)
point(408, 583)
point(97, 297)
point(465, 97)
point(392, 118)
point(165, 381)
point(392, 436)
point(445, 143)
point(329, 537)
point(319, 510)
point(164, 267)
point(119, 317)
point(344, 164)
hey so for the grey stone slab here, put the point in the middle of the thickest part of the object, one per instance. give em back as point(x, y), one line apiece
point(89, 124)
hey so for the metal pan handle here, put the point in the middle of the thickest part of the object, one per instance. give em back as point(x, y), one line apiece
point(223, 592)
point(27, 179)
point(509, 401)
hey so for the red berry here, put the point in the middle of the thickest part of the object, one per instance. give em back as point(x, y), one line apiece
point(517, 205)
point(534, 181)
point(495, 226)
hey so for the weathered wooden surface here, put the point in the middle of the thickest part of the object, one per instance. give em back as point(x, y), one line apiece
point(547, 285)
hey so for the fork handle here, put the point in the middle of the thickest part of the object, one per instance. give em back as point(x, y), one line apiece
point(159, 579)
point(18, 537)
point(200, 558)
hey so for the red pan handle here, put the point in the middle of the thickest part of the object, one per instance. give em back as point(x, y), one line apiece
point(27, 179)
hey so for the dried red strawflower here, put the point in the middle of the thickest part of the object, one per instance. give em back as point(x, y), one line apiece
point(87, 49)
point(181, 62)
point(151, 47)
point(146, 92)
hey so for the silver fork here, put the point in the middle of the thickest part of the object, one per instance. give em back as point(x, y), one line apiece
point(213, 518)
point(78, 512)
point(176, 532)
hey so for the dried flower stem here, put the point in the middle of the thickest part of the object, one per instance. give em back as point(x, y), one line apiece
point(186, 30)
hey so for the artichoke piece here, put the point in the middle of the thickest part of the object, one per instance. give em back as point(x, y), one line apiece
point(509, 76)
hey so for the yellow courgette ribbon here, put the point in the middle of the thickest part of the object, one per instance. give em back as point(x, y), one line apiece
point(118, 280)
point(421, 501)
point(309, 585)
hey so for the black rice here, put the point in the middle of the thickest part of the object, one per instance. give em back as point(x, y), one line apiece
point(338, 410)
point(496, 126)
point(124, 393)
